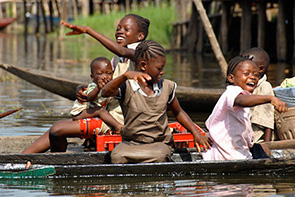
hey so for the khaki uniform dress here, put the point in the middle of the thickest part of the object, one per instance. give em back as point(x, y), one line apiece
point(146, 135)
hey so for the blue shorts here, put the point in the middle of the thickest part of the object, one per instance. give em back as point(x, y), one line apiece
point(258, 152)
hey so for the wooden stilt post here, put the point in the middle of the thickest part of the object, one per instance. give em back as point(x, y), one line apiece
point(293, 33)
point(50, 5)
point(192, 34)
point(281, 32)
point(44, 16)
point(245, 38)
point(25, 18)
point(224, 25)
point(37, 15)
point(211, 35)
point(261, 23)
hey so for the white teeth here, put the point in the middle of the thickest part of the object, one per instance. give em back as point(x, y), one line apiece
point(120, 38)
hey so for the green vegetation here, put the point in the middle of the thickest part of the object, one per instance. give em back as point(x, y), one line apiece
point(161, 19)
point(84, 48)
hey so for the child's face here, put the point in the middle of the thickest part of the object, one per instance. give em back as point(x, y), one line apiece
point(245, 75)
point(101, 72)
point(128, 31)
point(154, 68)
point(261, 66)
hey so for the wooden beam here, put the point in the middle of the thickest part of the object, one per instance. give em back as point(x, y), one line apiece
point(211, 35)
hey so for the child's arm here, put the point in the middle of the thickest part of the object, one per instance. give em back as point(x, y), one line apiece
point(253, 100)
point(100, 83)
point(105, 41)
point(112, 88)
point(187, 122)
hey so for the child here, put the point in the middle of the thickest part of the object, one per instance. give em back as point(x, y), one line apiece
point(229, 124)
point(262, 116)
point(144, 98)
point(55, 137)
point(131, 30)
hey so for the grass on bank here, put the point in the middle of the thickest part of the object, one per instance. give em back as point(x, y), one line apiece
point(161, 19)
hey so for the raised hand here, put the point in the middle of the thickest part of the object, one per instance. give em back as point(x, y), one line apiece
point(139, 77)
point(77, 29)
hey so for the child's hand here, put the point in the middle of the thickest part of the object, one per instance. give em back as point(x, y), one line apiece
point(102, 81)
point(81, 96)
point(138, 77)
point(203, 140)
point(279, 105)
point(76, 28)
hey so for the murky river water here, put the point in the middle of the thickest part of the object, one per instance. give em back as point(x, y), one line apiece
point(41, 109)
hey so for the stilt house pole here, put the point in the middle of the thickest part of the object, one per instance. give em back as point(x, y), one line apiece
point(211, 35)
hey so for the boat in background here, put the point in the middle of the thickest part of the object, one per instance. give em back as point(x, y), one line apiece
point(4, 22)
point(191, 99)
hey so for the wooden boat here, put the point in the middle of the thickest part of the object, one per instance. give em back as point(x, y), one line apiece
point(185, 161)
point(4, 22)
point(198, 99)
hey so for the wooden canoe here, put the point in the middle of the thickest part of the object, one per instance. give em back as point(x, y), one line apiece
point(198, 99)
point(185, 161)
point(4, 22)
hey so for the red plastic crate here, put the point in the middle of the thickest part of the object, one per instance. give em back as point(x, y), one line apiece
point(108, 142)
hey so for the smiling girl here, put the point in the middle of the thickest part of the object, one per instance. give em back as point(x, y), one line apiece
point(144, 97)
point(229, 124)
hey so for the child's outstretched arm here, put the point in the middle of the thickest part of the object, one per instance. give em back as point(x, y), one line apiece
point(112, 88)
point(105, 41)
point(183, 118)
point(253, 100)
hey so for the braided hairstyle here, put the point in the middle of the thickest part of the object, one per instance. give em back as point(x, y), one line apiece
point(233, 64)
point(143, 24)
point(148, 49)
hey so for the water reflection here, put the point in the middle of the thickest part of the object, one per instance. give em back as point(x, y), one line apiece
point(154, 186)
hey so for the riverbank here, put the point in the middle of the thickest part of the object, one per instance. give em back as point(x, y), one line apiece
point(161, 20)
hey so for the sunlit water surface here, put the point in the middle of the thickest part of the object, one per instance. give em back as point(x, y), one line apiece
point(71, 56)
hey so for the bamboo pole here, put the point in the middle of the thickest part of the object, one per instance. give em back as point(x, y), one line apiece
point(211, 35)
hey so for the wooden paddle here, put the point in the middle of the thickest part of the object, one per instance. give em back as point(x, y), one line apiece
point(9, 112)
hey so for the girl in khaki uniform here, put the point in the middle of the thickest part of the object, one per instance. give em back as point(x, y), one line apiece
point(144, 98)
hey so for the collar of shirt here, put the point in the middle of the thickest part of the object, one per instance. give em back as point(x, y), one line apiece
point(262, 79)
point(136, 88)
point(129, 46)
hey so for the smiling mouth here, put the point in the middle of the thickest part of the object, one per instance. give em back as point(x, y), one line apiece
point(251, 84)
point(119, 38)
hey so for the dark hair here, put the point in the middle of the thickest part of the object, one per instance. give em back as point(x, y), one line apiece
point(257, 53)
point(148, 49)
point(98, 59)
point(233, 63)
point(143, 24)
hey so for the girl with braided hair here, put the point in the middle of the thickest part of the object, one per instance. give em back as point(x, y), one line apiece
point(144, 98)
point(229, 123)
point(131, 30)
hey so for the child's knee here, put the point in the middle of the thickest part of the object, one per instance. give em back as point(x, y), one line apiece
point(56, 130)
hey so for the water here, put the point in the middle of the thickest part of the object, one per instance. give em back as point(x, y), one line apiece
point(41, 109)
